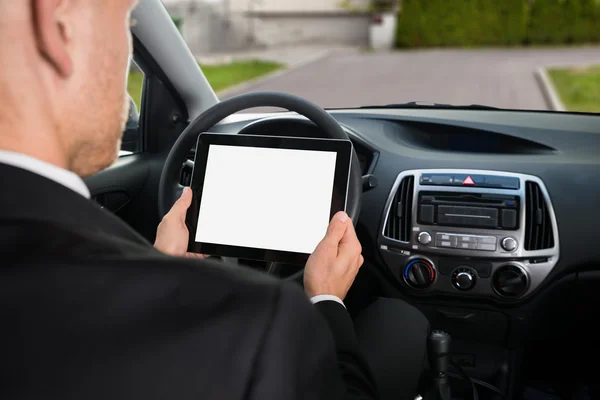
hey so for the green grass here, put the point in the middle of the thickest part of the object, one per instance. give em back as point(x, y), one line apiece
point(134, 87)
point(578, 87)
point(220, 76)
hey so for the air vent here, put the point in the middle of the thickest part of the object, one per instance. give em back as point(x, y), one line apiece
point(538, 224)
point(398, 224)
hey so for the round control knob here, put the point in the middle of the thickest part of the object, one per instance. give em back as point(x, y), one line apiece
point(419, 274)
point(510, 281)
point(424, 238)
point(509, 244)
point(464, 278)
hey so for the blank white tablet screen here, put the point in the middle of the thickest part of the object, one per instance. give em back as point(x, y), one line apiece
point(276, 199)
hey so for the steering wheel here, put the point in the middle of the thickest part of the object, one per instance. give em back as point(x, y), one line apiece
point(169, 188)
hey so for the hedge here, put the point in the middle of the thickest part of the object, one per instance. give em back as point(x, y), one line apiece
point(468, 23)
point(564, 21)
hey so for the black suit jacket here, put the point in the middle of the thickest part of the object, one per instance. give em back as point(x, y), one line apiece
point(89, 310)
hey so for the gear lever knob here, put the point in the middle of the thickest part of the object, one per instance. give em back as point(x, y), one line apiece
point(435, 383)
point(438, 352)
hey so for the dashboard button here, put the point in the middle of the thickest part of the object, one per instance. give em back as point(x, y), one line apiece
point(486, 239)
point(467, 245)
point(446, 240)
point(502, 182)
point(463, 180)
point(426, 213)
point(459, 179)
point(424, 238)
point(441, 179)
point(467, 239)
point(486, 247)
point(478, 179)
point(509, 219)
point(509, 244)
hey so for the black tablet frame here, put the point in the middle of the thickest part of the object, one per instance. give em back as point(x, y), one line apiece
point(343, 148)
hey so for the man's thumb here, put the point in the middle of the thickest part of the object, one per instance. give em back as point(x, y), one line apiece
point(337, 228)
point(183, 203)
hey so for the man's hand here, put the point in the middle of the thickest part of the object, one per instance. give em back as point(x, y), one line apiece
point(333, 265)
point(172, 236)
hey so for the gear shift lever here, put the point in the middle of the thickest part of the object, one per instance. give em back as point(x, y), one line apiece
point(438, 351)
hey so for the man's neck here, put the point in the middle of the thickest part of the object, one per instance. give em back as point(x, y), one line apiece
point(34, 140)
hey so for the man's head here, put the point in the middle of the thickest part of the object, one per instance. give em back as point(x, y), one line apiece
point(63, 71)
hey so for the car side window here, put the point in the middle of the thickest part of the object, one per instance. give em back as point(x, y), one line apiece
point(132, 136)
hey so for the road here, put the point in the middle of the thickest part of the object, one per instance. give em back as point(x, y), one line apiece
point(495, 77)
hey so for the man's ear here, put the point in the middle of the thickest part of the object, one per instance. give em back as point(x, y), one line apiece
point(52, 34)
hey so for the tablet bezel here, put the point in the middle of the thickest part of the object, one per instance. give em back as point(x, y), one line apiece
point(343, 148)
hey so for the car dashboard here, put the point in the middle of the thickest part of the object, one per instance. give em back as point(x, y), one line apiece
point(463, 204)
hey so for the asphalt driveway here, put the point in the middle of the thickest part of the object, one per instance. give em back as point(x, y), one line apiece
point(500, 77)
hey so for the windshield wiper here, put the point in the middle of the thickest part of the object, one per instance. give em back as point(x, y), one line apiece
point(421, 105)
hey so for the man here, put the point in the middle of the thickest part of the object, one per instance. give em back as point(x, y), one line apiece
point(89, 309)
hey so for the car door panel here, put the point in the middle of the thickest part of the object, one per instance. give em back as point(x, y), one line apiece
point(117, 187)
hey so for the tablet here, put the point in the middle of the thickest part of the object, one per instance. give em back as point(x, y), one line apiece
point(266, 198)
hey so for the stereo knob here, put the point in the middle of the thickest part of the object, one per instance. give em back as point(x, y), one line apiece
point(509, 244)
point(464, 279)
point(424, 238)
point(510, 281)
point(419, 274)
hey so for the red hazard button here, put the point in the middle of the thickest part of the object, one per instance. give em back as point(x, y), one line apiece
point(468, 181)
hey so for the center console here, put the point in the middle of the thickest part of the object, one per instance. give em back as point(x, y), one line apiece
point(470, 233)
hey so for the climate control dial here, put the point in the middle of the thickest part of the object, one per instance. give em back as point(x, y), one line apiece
point(510, 281)
point(464, 278)
point(419, 274)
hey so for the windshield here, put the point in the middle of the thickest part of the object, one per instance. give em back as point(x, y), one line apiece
point(511, 54)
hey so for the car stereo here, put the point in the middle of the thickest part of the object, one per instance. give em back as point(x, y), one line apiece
point(474, 210)
point(469, 232)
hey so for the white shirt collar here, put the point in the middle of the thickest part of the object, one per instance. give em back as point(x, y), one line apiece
point(47, 170)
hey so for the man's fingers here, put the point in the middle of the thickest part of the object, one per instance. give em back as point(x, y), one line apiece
point(196, 255)
point(337, 228)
